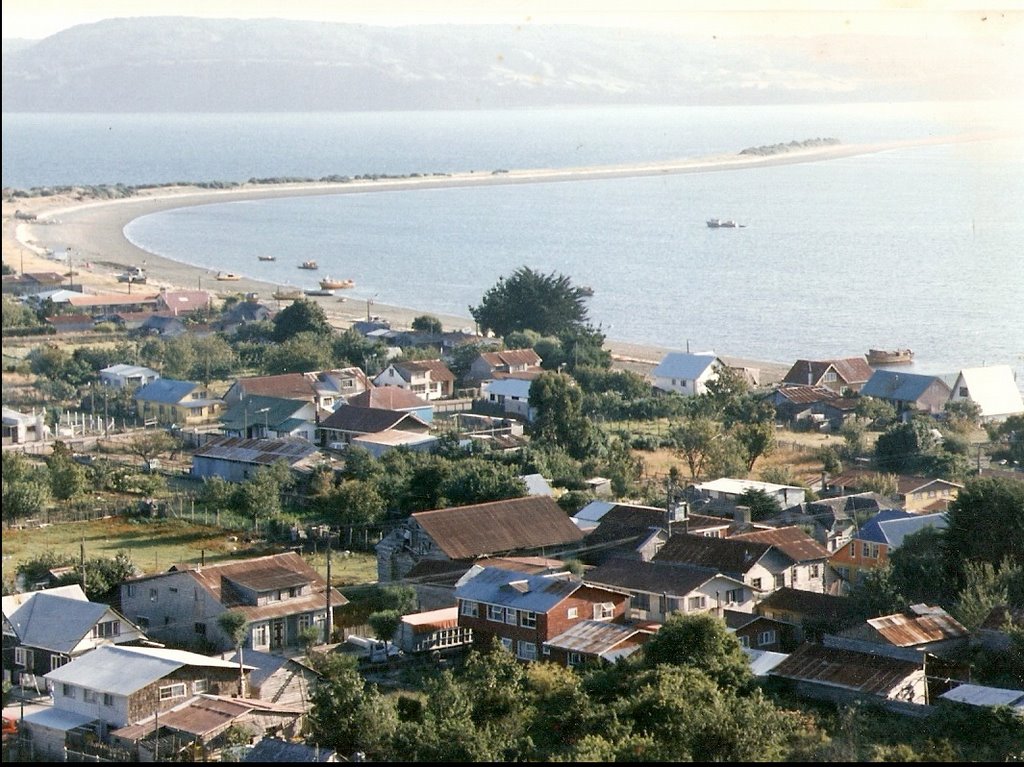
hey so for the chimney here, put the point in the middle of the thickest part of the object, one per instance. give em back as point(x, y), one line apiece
point(742, 515)
point(810, 375)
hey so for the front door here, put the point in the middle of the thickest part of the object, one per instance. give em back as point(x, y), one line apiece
point(276, 634)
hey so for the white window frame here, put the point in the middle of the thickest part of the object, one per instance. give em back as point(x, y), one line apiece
point(574, 659)
point(56, 661)
point(526, 650)
point(89, 696)
point(510, 616)
point(766, 638)
point(469, 609)
point(21, 656)
point(106, 629)
point(572, 612)
point(108, 700)
point(67, 690)
point(260, 635)
point(200, 685)
point(604, 611)
point(172, 691)
point(506, 643)
point(698, 602)
point(496, 613)
point(744, 641)
point(527, 619)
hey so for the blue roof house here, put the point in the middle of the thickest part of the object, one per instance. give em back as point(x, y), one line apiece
point(166, 401)
point(908, 391)
point(686, 374)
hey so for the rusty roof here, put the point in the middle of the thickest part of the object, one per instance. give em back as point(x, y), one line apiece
point(203, 716)
point(437, 369)
point(285, 385)
point(654, 577)
point(262, 452)
point(512, 358)
point(623, 524)
point(601, 639)
point(727, 555)
point(268, 577)
point(805, 395)
point(387, 398)
point(791, 541)
point(919, 624)
point(433, 620)
point(874, 674)
point(803, 602)
point(852, 370)
point(372, 420)
point(532, 522)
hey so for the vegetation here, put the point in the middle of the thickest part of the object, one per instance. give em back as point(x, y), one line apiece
point(548, 304)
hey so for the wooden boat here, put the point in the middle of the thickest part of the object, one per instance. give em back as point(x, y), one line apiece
point(319, 292)
point(228, 276)
point(889, 356)
point(308, 265)
point(287, 295)
point(328, 283)
point(267, 258)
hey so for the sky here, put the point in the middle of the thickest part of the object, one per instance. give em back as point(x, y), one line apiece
point(36, 19)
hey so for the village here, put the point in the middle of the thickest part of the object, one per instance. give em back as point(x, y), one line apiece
point(846, 535)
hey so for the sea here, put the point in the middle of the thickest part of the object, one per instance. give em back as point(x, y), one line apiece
point(919, 247)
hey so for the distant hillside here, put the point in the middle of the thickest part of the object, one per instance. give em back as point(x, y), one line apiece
point(216, 65)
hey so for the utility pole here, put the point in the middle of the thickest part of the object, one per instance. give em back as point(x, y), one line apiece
point(81, 559)
point(330, 608)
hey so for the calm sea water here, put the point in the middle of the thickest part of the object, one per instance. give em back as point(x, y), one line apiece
point(919, 248)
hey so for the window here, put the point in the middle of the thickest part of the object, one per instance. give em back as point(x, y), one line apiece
point(642, 601)
point(865, 549)
point(510, 616)
point(526, 650)
point(106, 629)
point(132, 589)
point(172, 691)
point(172, 589)
point(572, 612)
point(469, 609)
point(305, 621)
point(575, 659)
point(527, 619)
point(506, 643)
point(815, 572)
point(604, 611)
point(963, 391)
point(496, 613)
point(744, 641)
point(546, 650)
point(259, 635)
point(67, 690)
point(142, 621)
point(152, 595)
point(780, 580)
point(796, 576)
point(829, 377)
point(765, 638)
point(200, 685)
point(201, 629)
point(697, 603)
point(756, 583)
point(108, 699)
point(22, 657)
point(89, 696)
point(56, 661)
point(734, 595)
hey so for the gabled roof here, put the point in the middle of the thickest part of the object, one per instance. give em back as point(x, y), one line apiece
point(993, 388)
point(371, 420)
point(184, 301)
point(732, 486)
point(810, 603)
point(536, 593)
point(11, 602)
point(510, 386)
point(895, 385)
point(122, 670)
point(624, 524)
point(919, 624)
point(252, 410)
point(512, 358)
point(128, 371)
point(261, 452)
point(55, 623)
point(891, 526)
point(847, 669)
point(166, 390)
point(801, 394)
point(203, 716)
point(285, 385)
point(852, 370)
point(437, 369)
point(791, 541)
point(725, 555)
point(532, 522)
point(608, 641)
point(682, 365)
point(265, 664)
point(388, 398)
point(674, 578)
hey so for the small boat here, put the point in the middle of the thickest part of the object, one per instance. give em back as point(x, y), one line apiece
point(723, 223)
point(287, 295)
point(308, 265)
point(319, 292)
point(267, 258)
point(889, 356)
point(228, 276)
point(328, 283)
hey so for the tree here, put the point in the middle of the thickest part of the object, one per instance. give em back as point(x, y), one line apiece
point(299, 353)
point(25, 497)
point(694, 440)
point(260, 495)
point(963, 415)
point(236, 626)
point(761, 505)
point(67, 478)
point(427, 323)
point(559, 420)
point(918, 571)
point(385, 624)
point(700, 641)
point(527, 300)
point(985, 587)
point(986, 523)
point(302, 316)
point(852, 432)
point(879, 413)
point(148, 445)
point(757, 438)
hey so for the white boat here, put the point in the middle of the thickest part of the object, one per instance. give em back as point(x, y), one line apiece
point(722, 223)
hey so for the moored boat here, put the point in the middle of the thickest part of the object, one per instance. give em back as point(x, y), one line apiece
point(319, 292)
point(722, 223)
point(329, 283)
point(267, 258)
point(287, 295)
point(308, 265)
point(889, 356)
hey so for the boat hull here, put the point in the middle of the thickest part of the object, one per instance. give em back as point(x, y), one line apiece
point(890, 357)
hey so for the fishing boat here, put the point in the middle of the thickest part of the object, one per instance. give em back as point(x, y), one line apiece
point(309, 265)
point(329, 283)
point(228, 276)
point(723, 223)
point(267, 258)
point(319, 292)
point(287, 295)
point(889, 356)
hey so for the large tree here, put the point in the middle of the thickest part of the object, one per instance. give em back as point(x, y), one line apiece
point(527, 300)
point(986, 523)
point(560, 421)
point(301, 316)
point(700, 641)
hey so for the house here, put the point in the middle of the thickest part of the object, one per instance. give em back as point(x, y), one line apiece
point(844, 676)
point(810, 570)
point(995, 630)
point(162, 324)
point(908, 392)
point(71, 323)
point(592, 641)
point(621, 530)
point(379, 443)
point(993, 389)
point(243, 313)
point(121, 376)
point(433, 630)
point(979, 695)
point(729, 490)
point(658, 589)
point(839, 375)
point(492, 365)
point(339, 385)
point(43, 630)
point(294, 386)
point(537, 484)
point(31, 283)
point(794, 403)
point(348, 423)
point(686, 374)
point(429, 379)
point(810, 613)
point(111, 303)
point(870, 546)
point(525, 526)
point(280, 595)
point(19, 428)
point(277, 678)
point(260, 417)
point(511, 395)
point(756, 632)
point(184, 302)
point(271, 750)
point(526, 611)
point(393, 398)
point(236, 459)
point(918, 631)
point(167, 401)
point(122, 685)
point(914, 493)
point(761, 566)
point(434, 580)
point(830, 521)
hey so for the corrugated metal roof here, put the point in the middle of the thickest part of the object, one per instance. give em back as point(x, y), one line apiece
point(388, 398)
point(874, 674)
point(433, 620)
point(791, 541)
point(903, 387)
point(852, 370)
point(723, 554)
point(601, 639)
point(681, 365)
point(466, 532)
point(285, 385)
point(56, 623)
point(805, 395)
point(268, 577)
point(671, 578)
point(370, 420)
point(978, 695)
point(257, 451)
point(512, 358)
point(166, 390)
point(536, 593)
point(920, 624)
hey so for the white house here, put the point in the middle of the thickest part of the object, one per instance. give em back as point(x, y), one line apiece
point(512, 395)
point(686, 374)
point(992, 388)
point(730, 489)
point(119, 376)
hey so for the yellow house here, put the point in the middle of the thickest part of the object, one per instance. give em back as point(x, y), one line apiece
point(184, 403)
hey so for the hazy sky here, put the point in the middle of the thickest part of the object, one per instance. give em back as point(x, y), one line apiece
point(36, 19)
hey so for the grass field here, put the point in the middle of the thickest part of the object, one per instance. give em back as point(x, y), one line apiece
point(154, 545)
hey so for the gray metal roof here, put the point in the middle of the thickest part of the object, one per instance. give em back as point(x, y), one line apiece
point(895, 385)
point(166, 390)
point(123, 670)
point(55, 623)
point(978, 695)
point(601, 638)
point(536, 593)
point(256, 451)
point(681, 365)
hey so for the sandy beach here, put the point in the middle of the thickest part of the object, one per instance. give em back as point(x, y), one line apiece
point(91, 231)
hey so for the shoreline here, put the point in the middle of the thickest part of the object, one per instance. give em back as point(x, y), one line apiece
point(93, 229)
